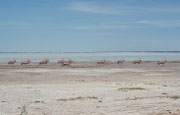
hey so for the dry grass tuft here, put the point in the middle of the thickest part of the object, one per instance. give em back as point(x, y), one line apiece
point(164, 85)
point(175, 97)
point(23, 110)
point(77, 98)
point(140, 98)
point(131, 88)
point(38, 101)
point(135, 98)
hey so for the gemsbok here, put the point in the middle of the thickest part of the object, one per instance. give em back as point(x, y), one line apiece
point(44, 62)
point(137, 61)
point(12, 62)
point(60, 61)
point(101, 61)
point(25, 62)
point(66, 63)
point(120, 61)
point(162, 62)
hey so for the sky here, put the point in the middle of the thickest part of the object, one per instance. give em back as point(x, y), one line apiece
point(89, 25)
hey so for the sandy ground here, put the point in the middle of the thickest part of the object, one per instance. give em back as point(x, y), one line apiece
point(86, 88)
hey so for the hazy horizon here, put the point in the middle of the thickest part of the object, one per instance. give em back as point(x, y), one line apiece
point(85, 51)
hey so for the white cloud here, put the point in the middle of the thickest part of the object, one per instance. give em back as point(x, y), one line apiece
point(165, 10)
point(161, 23)
point(100, 27)
point(5, 23)
point(91, 8)
point(16, 23)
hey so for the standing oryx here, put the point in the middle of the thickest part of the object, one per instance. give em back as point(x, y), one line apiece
point(137, 61)
point(25, 62)
point(162, 62)
point(66, 63)
point(12, 61)
point(101, 61)
point(120, 61)
point(44, 62)
point(60, 61)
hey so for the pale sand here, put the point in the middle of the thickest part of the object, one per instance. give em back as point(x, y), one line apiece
point(86, 88)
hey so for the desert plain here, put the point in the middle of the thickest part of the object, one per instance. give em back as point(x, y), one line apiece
point(88, 88)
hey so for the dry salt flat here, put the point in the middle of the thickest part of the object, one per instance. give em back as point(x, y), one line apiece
point(86, 88)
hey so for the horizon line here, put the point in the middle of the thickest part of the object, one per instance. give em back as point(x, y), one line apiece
point(81, 51)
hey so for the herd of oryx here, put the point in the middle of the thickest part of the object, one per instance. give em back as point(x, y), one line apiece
point(46, 61)
point(68, 63)
point(162, 62)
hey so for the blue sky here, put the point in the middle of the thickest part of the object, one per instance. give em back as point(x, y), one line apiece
point(89, 25)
